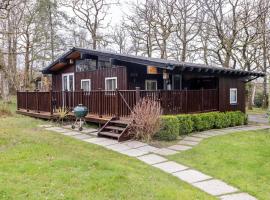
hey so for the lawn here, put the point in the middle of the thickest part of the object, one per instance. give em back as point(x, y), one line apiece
point(39, 164)
point(240, 159)
point(257, 111)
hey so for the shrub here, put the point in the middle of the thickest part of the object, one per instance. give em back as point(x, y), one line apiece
point(236, 118)
point(169, 128)
point(146, 119)
point(62, 114)
point(185, 124)
point(205, 121)
point(4, 110)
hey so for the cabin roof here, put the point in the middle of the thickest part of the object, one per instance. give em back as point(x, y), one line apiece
point(77, 53)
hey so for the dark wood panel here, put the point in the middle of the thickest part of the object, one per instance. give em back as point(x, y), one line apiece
point(98, 78)
point(57, 77)
point(225, 83)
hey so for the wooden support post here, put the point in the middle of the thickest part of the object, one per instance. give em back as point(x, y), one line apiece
point(26, 101)
point(137, 94)
point(37, 101)
point(117, 104)
point(51, 103)
point(99, 103)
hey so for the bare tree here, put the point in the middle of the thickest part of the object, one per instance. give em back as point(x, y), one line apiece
point(188, 18)
point(140, 28)
point(90, 15)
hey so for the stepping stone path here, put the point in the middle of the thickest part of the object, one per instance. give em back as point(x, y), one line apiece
point(148, 154)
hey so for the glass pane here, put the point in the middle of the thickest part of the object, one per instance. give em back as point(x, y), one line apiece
point(86, 85)
point(177, 82)
point(71, 82)
point(110, 84)
point(65, 83)
point(151, 85)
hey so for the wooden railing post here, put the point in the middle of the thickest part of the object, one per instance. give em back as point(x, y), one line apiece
point(37, 101)
point(51, 102)
point(138, 94)
point(99, 103)
point(82, 94)
point(18, 96)
point(26, 100)
point(202, 99)
point(117, 103)
point(186, 96)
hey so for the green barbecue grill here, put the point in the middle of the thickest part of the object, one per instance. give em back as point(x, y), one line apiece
point(80, 112)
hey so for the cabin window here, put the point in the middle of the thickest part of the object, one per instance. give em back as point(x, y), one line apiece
point(110, 83)
point(233, 95)
point(104, 64)
point(86, 65)
point(177, 81)
point(86, 85)
point(150, 85)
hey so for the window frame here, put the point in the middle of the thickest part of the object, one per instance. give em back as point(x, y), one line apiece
point(68, 86)
point(110, 78)
point(86, 80)
point(150, 80)
point(234, 101)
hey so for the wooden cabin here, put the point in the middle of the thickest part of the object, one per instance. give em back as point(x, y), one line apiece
point(110, 84)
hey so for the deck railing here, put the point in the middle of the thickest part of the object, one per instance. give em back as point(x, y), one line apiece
point(119, 102)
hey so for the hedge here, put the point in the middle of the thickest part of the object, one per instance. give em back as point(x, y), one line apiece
point(169, 129)
point(187, 123)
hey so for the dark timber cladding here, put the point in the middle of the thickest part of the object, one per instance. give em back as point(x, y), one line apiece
point(225, 83)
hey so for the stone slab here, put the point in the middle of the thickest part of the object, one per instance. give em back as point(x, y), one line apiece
point(107, 142)
point(200, 135)
point(147, 148)
point(89, 130)
point(45, 125)
point(238, 196)
point(70, 133)
point(215, 187)
point(165, 151)
point(81, 136)
point(133, 152)
point(118, 147)
point(180, 147)
point(170, 166)
point(93, 133)
point(194, 139)
point(134, 144)
point(152, 159)
point(210, 133)
point(191, 176)
point(57, 129)
point(95, 140)
point(187, 142)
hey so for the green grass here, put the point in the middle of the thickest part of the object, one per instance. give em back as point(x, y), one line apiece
point(257, 111)
point(241, 159)
point(39, 164)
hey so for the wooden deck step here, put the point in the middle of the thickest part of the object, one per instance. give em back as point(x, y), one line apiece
point(115, 128)
point(110, 134)
point(120, 122)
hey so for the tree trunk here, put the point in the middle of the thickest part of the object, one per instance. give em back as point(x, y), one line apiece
point(27, 62)
point(249, 88)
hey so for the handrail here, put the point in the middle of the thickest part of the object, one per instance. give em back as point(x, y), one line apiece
point(125, 101)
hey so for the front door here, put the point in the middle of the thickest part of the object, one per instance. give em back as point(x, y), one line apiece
point(68, 82)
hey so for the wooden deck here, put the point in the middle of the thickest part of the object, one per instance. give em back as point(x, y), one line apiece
point(48, 116)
